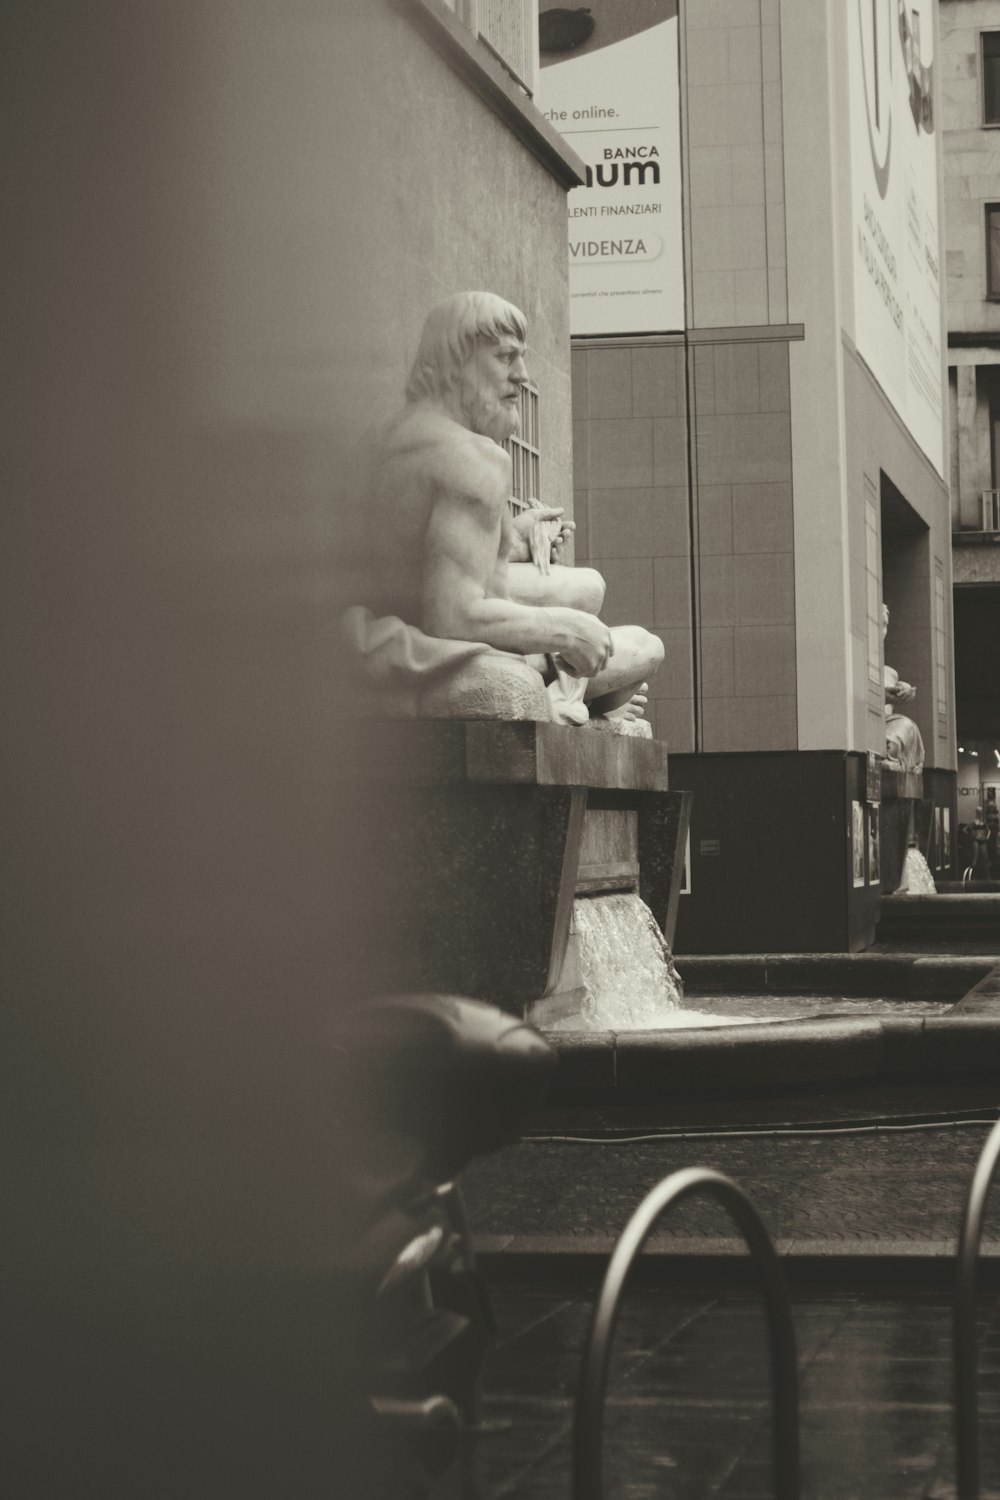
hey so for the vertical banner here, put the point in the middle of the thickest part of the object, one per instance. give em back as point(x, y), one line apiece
point(894, 146)
point(609, 83)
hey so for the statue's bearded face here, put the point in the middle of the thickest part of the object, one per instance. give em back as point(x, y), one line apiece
point(491, 383)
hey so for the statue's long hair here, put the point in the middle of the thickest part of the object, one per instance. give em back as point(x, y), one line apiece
point(450, 335)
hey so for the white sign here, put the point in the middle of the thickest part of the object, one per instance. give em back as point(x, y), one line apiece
point(618, 107)
point(896, 246)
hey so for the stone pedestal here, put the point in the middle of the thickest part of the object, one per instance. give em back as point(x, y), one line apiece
point(483, 832)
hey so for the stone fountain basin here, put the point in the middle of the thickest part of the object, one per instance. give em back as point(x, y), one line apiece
point(780, 1020)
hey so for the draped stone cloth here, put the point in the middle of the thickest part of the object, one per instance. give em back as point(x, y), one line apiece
point(903, 741)
point(397, 671)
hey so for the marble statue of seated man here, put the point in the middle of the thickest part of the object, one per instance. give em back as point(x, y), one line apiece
point(903, 741)
point(443, 632)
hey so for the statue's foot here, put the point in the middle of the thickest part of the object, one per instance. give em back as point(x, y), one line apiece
point(628, 718)
point(635, 708)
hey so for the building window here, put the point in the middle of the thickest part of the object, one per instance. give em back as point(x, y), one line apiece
point(993, 250)
point(510, 30)
point(524, 451)
point(992, 388)
point(991, 77)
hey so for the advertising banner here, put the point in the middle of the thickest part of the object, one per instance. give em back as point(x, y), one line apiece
point(609, 84)
point(897, 298)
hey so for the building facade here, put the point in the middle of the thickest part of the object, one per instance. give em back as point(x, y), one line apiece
point(755, 480)
point(970, 43)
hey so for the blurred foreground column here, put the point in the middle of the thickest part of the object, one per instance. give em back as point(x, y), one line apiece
point(177, 311)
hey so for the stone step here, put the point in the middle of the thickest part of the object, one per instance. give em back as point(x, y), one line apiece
point(874, 1200)
point(952, 917)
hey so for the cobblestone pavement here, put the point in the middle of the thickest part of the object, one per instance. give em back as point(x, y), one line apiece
point(687, 1415)
point(899, 1186)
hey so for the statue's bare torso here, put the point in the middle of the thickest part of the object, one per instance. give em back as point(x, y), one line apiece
point(431, 471)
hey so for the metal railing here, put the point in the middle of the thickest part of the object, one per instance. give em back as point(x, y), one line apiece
point(588, 1422)
point(965, 1352)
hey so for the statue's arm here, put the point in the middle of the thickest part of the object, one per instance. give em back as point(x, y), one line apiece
point(461, 552)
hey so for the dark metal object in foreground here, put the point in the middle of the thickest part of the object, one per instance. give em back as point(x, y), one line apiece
point(587, 1435)
point(966, 1392)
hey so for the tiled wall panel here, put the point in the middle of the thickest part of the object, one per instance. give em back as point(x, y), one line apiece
point(725, 597)
point(706, 559)
point(632, 510)
point(734, 165)
point(746, 585)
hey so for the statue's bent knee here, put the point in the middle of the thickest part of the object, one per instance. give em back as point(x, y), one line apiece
point(591, 588)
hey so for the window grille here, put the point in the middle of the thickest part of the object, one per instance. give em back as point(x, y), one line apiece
point(991, 77)
point(993, 250)
point(510, 30)
point(991, 510)
point(524, 450)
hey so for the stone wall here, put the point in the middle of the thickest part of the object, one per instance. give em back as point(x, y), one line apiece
point(972, 163)
point(437, 196)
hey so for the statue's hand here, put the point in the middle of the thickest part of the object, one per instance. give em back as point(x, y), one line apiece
point(903, 692)
point(536, 532)
point(586, 643)
point(520, 528)
point(566, 530)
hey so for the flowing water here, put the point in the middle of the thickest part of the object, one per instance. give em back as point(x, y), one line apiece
point(917, 879)
point(631, 983)
point(626, 965)
point(627, 968)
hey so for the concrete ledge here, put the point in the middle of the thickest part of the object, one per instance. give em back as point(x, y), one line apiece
point(903, 1046)
point(903, 976)
point(954, 904)
point(807, 1051)
point(671, 1245)
point(728, 975)
point(422, 752)
point(962, 1044)
point(953, 917)
point(705, 1061)
point(586, 1060)
point(844, 1263)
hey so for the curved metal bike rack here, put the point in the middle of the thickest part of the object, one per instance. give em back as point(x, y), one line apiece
point(966, 1382)
point(588, 1422)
